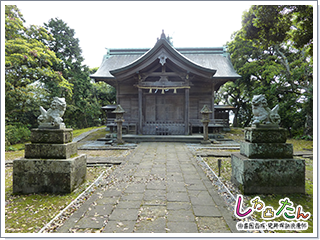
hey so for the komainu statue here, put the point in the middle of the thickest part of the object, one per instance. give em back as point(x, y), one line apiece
point(262, 113)
point(52, 118)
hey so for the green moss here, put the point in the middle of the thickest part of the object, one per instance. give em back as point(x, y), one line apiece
point(74, 155)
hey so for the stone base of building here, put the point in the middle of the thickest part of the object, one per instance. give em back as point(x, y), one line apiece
point(268, 176)
point(48, 175)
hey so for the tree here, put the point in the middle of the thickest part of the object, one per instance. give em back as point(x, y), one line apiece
point(271, 63)
point(29, 76)
point(104, 93)
point(83, 109)
point(302, 28)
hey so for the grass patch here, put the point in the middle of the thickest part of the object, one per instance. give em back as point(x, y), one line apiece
point(237, 134)
point(80, 131)
point(300, 145)
point(101, 133)
point(14, 154)
point(29, 213)
point(225, 170)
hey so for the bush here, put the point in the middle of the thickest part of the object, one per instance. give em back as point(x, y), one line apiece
point(299, 134)
point(17, 134)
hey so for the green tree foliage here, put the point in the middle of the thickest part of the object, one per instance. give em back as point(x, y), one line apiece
point(104, 93)
point(84, 108)
point(43, 62)
point(28, 65)
point(302, 28)
point(271, 62)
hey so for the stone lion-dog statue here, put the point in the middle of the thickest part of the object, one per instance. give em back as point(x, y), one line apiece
point(52, 118)
point(262, 113)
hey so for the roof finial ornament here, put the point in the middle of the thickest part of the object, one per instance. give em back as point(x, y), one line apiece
point(163, 36)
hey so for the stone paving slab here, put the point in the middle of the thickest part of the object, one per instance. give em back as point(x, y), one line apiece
point(119, 227)
point(160, 188)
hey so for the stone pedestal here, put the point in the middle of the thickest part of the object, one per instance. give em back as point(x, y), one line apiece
point(265, 164)
point(51, 164)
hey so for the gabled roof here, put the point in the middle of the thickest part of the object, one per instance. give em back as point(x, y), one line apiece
point(214, 63)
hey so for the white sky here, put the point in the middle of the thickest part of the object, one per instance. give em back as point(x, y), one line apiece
point(138, 24)
point(105, 24)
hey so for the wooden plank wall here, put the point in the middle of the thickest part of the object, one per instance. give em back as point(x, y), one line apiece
point(128, 99)
point(200, 95)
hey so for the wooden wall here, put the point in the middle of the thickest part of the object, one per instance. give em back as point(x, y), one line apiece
point(164, 107)
point(200, 95)
point(128, 99)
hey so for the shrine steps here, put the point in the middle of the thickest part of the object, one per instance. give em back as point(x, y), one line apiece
point(162, 138)
point(195, 138)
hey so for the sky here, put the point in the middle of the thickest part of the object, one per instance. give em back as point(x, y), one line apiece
point(118, 24)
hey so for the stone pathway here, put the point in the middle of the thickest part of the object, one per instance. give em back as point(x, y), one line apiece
point(160, 188)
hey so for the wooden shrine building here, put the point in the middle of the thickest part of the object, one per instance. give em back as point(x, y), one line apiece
point(163, 89)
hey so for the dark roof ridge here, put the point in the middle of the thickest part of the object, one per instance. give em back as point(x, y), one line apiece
point(164, 43)
point(182, 50)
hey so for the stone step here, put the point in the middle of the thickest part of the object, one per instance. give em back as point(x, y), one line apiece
point(163, 138)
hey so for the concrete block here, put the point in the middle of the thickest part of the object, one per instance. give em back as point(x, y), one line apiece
point(268, 176)
point(47, 151)
point(48, 175)
point(265, 135)
point(266, 150)
point(58, 136)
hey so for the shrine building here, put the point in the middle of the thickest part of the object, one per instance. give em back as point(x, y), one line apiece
point(163, 89)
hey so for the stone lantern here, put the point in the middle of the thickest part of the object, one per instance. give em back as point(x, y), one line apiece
point(119, 120)
point(205, 111)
